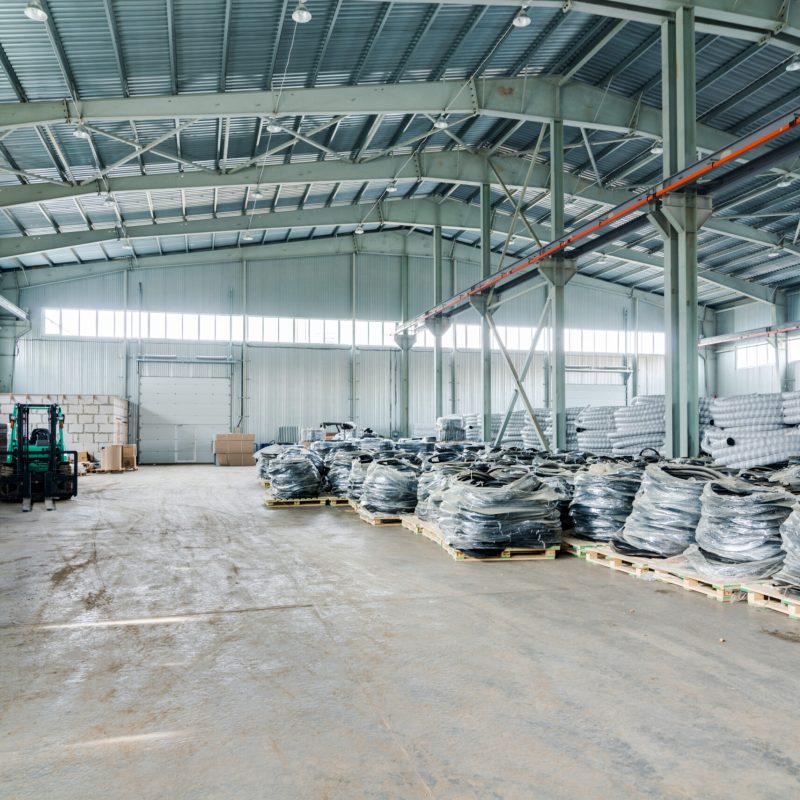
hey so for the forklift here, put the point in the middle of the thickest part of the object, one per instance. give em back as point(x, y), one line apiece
point(36, 466)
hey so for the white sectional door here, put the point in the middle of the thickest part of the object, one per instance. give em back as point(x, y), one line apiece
point(179, 418)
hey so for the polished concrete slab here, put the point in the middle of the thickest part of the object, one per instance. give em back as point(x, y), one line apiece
point(166, 636)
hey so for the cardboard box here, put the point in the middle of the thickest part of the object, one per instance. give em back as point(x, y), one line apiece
point(129, 456)
point(111, 458)
point(84, 456)
point(235, 460)
point(234, 444)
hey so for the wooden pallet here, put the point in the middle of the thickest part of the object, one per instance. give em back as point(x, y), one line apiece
point(339, 501)
point(578, 547)
point(265, 483)
point(606, 557)
point(510, 554)
point(430, 530)
point(378, 519)
point(410, 522)
point(721, 592)
point(765, 595)
point(302, 502)
point(354, 504)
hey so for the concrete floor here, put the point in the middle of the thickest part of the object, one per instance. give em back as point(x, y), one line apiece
point(166, 636)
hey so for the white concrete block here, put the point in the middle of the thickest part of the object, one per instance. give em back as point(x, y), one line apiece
point(106, 408)
point(92, 408)
point(91, 427)
point(102, 438)
point(105, 427)
point(85, 418)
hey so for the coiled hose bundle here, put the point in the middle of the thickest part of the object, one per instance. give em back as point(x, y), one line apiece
point(482, 516)
point(390, 487)
point(789, 574)
point(603, 499)
point(294, 475)
point(738, 536)
point(358, 474)
point(339, 464)
point(562, 481)
point(431, 486)
point(666, 510)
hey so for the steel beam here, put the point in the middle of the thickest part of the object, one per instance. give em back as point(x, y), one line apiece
point(533, 98)
point(13, 309)
point(749, 20)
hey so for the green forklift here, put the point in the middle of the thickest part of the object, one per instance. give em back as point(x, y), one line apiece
point(36, 466)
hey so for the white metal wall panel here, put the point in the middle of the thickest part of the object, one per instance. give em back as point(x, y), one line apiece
point(295, 386)
point(317, 288)
point(376, 390)
point(205, 289)
point(378, 287)
point(179, 417)
point(69, 367)
point(732, 381)
point(744, 317)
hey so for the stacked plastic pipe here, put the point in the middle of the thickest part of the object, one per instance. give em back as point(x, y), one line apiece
point(483, 514)
point(512, 437)
point(639, 426)
point(739, 533)
point(544, 417)
point(749, 431)
point(472, 428)
point(390, 487)
point(790, 402)
point(593, 426)
point(666, 510)
point(603, 499)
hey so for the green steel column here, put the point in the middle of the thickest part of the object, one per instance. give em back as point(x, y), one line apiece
point(687, 236)
point(486, 351)
point(669, 123)
point(453, 384)
point(438, 296)
point(558, 281)
point(404, 351)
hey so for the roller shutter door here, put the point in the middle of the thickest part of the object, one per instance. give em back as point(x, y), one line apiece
point(179, 417)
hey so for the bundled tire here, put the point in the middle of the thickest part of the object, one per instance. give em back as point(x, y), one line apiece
point(789, 574)
point(482, 516)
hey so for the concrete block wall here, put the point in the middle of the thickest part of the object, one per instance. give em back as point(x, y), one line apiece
point(91, 421)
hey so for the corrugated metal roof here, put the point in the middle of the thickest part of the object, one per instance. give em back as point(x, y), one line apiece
point(154, 47)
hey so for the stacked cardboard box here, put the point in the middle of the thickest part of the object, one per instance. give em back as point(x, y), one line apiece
point(235, 449)
point(91, 421)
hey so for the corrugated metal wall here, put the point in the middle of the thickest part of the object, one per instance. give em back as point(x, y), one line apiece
point(301, 386)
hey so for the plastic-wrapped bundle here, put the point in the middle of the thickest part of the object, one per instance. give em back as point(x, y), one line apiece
point(339, 468)
point(738, 535)
point(603, 499)
point(482, 516)
point(358, 474)
point(390, 487)
point(312, 434)
point(265, 457)
point(789, 574)
point(450, 428)
point(743, 410)
point(666, 510)
point(431, 485)
point(562, 481)
point(416, 446)
point(294, 475)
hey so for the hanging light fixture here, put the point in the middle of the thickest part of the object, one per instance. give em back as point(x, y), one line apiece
point(126, 245)
point(258, 194)
point(273, 127)
point(108, 201)
point(657, 149)
point(359, 230)
point(792, 66)
point(248, 237)
point(35, 11)
point(522, 20)
point(440, 123)
point(392, 187)
point(301, 14)
point(81, 133)
point(785, 182)
point(774, 254)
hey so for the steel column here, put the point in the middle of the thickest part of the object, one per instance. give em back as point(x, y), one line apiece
point(486, 351)
point(438, 296)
